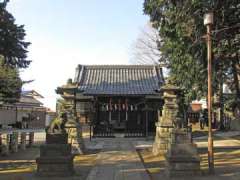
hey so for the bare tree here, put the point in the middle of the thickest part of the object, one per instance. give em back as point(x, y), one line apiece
point(145, 49)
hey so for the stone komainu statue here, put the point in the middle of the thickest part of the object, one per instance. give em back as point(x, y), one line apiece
point(56, 158)
point(57, 126)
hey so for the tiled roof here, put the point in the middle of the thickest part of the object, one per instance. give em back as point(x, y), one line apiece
point(31, 93)
point(29, 100)
point(119, 79)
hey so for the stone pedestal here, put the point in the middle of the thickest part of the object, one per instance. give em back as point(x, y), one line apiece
point(182, 158)
point(162, 139)
point(55, 158)
point(77, 140)
point(31, 138)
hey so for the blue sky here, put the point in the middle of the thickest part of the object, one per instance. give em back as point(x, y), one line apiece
point(65, 33)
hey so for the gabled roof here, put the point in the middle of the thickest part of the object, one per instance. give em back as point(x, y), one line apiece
point(119, 79)
point(31, 93)
point(29, 98)
point(28, 101)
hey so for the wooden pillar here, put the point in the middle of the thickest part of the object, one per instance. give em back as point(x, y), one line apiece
point(146, 123)
point(110, 110)
point(126, 111)
point(109, 116)
point(92, 117)
point(14, 142)
point(23, 141)
point(221, 100)
point(94, 120)
point(31, 138)
point(119, 112)
point(146, 116)
point(97, 110)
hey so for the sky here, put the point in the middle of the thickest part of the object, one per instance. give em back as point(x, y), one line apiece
point(65, 33)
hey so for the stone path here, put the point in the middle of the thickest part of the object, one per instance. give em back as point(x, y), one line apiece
point(118, 160)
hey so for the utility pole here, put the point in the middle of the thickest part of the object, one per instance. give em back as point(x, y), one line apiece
point(208, 21)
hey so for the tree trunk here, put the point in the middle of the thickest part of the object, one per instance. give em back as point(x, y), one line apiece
point(221, 108)
point(235, 71)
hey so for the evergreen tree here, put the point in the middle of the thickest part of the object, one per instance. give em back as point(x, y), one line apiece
point(181, 29)
point(12, 44)
point(10, 83)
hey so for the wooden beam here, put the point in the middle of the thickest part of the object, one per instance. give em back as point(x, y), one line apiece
point(153, 97)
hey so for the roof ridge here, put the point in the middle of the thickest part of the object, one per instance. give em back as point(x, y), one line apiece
point(120, 66)
point(118, 79)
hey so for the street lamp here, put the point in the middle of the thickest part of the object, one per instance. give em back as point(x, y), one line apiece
point(208, 21)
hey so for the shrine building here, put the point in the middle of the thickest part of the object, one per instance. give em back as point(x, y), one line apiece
point(116, 99)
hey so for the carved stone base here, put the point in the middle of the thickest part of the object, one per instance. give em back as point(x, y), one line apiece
point(55, 158)
point(182, 158)
point(55, 166)
point(162, 139)
point(55, 150)
point(56, 138)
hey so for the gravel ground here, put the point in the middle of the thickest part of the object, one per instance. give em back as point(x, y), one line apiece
point(22, 165)
point(227, 162)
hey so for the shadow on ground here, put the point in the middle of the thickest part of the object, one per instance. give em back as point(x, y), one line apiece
point(22, 165)
point(227, 164)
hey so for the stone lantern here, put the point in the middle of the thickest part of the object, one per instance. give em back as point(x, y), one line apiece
point(173, 141)
point(170, 108)
point(168, 120)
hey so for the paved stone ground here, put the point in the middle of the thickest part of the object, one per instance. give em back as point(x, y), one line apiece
point(118, 160)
